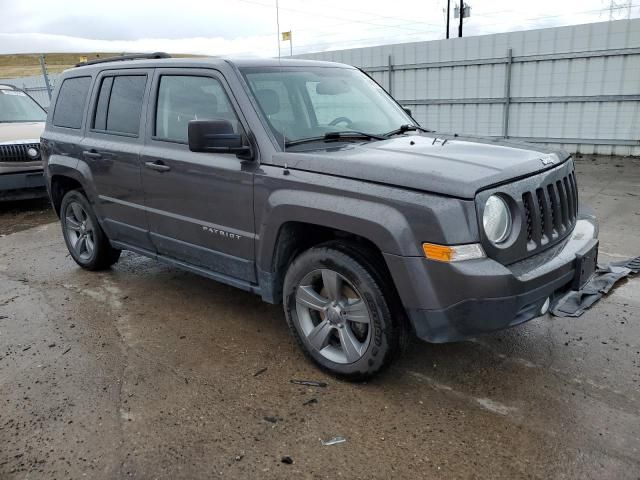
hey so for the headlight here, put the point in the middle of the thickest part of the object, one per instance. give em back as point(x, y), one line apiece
point(496, 219)
point(33, 152)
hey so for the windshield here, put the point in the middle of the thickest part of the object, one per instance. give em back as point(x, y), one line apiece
point(17, 106)
point(309, 102)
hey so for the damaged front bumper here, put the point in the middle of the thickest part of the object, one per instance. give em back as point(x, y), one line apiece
point(451, 301)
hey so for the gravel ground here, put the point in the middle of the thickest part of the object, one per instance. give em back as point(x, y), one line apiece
point(145, 371)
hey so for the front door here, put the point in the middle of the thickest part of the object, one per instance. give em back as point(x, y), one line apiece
point(199, 205)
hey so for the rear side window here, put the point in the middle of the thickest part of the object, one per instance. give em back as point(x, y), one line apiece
point(100, 122)
point(185, 98)
point(72, 98)
point(119, 104)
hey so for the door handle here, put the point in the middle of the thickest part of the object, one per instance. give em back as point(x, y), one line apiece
point(92, 154)
point(157, 166)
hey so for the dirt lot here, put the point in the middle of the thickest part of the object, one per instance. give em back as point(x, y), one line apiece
point(145, 371)
point(20, 215)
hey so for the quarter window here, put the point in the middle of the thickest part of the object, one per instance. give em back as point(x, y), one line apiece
point(185, 98)
point(119, 104)
point(72, 98)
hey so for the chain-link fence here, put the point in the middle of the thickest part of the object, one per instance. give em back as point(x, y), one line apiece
point(37, 74)
point(38, 86)
point(35, 86)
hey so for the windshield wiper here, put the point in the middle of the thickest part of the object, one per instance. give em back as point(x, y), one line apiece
point(406, 128)
point(336, 136)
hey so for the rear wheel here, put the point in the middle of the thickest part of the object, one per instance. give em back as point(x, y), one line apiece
point(338, 312)
point(85, 239)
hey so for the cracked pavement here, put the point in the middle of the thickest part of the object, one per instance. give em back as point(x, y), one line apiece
point(145, 371)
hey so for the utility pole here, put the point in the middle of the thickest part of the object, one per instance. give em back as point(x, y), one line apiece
point(461, 17)
point(448, 14)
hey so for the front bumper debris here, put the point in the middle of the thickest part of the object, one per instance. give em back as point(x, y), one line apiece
point(574, 302)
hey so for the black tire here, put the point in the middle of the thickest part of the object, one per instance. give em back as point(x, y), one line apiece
point(383, 331)
point(102, 255)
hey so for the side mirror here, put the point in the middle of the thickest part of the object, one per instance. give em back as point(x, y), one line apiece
point(216, 136)
point(407, 111)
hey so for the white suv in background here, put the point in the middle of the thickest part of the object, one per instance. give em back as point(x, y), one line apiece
point(21, 124)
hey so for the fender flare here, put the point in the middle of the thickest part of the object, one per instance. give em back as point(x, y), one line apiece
point(383, 225)
point(78, 170)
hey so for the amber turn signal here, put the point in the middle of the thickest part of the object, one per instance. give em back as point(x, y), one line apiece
point(441, 253)
point(452, 253)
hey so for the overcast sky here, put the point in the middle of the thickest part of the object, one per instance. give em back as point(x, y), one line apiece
point(248, 27)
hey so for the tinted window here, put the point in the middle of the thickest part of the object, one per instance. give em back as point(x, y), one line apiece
point(125, 103)
point(71, 101)
point(100, 119)
point(183, 98)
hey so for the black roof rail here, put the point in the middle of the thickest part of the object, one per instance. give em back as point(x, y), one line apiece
point(134, 56)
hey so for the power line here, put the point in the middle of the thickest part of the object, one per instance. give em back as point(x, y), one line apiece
point(316, 14)
point(415, 36)
point(416, 27)
point(343, 45)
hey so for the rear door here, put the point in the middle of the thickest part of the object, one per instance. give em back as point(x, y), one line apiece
point(200, 205)
point(111, 150)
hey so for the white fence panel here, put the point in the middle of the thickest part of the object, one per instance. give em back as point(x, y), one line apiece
point(576, 87)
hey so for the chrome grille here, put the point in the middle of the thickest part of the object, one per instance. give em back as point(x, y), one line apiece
point(17, 152)
point(550, 211)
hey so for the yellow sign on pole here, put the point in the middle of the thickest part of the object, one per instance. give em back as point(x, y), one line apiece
point(286, 36)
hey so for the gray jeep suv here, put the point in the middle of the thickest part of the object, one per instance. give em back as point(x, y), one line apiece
point(306, 183)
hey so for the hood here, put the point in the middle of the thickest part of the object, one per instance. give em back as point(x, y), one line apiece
point(19, 132)
point(448, 165)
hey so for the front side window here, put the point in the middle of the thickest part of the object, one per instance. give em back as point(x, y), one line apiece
point(72, 98)
point(308, 102)
point(17, 106)
point(119, 104)
point(184, 98)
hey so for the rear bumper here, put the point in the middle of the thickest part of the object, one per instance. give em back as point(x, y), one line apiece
point(22, 185)
point(451, 301)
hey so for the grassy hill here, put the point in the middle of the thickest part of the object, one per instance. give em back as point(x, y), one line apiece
point(23, 65)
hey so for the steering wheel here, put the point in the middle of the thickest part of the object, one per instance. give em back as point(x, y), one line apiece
point(338, 120)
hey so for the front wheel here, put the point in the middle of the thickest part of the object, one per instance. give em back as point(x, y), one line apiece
point(337, 310)
point(85, 239)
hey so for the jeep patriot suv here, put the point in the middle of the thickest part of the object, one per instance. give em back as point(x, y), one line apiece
point(306, 183)
point(21, 123)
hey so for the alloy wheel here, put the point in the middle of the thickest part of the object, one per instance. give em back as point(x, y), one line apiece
point(333, 316)
point(80, 231)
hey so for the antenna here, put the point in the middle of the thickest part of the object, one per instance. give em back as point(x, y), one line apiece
point(284, 135)
point(278, 26)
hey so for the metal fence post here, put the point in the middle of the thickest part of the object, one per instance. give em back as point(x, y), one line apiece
point(390, 75)
point(507, 94)
point(45, 76)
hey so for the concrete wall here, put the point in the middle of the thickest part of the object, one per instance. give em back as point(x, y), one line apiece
point(577, 87)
